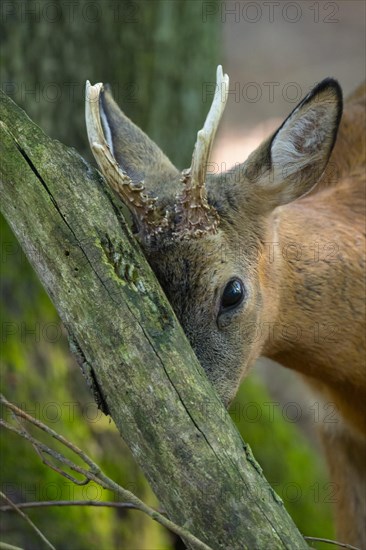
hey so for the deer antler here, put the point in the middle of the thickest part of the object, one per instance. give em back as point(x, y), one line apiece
point(140, 205)
point(197, 217)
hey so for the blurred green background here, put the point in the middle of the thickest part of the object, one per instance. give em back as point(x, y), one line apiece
point(157, 55)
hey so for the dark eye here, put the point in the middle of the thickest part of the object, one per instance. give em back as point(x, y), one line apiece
point(232, 295)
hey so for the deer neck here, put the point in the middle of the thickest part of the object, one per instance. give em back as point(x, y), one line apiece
point(316, 268)
point(301, 285)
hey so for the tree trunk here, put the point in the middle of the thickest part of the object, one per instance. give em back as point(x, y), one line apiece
point(132, 348)
point(155, 54)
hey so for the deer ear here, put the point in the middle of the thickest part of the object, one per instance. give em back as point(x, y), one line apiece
point(290, 163)
point(133, 150)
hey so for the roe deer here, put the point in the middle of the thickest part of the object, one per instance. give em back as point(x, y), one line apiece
point(217, 242)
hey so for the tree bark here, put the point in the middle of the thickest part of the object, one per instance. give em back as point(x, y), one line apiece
point(131, 346)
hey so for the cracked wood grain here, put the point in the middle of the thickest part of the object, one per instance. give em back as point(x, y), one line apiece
point(125, 331)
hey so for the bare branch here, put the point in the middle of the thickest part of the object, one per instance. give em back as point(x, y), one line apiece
point(50, 503)
point(28, 520)
point(5, 546)
point(93, 474)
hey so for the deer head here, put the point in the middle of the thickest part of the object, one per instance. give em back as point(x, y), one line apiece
point(204, 235)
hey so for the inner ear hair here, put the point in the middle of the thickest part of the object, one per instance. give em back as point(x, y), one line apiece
point(308, 134)
point(290, 163)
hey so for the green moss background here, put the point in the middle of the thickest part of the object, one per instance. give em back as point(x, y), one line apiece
point(292, 466)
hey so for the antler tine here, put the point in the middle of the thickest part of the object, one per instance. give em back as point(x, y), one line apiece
point(197, 217)
point(132, 195)
point(206, 136)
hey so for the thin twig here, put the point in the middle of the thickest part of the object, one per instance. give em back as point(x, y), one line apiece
point(6, 546)
point(27, 519)
point(45, 449)
point(19, 412)
point(47, 503)
point(94, 472)
point(329, 541)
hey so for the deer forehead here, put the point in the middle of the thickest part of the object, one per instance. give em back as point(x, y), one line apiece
point(198, 269)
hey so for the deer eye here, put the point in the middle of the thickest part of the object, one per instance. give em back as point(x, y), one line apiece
point(233, 294)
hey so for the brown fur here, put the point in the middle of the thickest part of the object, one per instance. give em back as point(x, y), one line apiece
point(332, 294)
point(307, 310)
